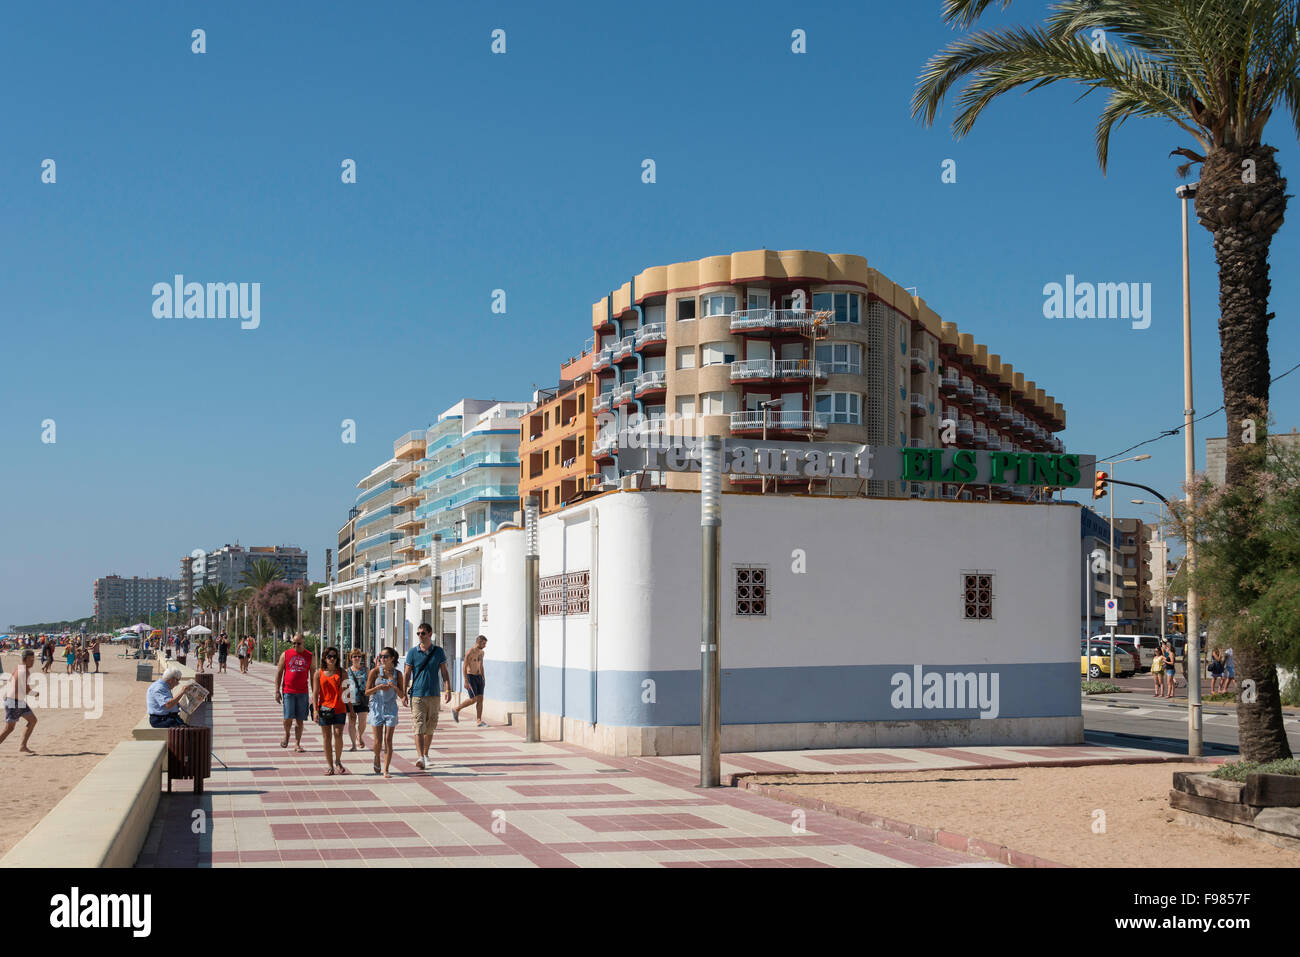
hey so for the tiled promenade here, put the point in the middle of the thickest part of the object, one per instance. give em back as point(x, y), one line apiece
point(493, 800)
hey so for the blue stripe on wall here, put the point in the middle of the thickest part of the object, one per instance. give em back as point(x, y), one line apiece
point(784, 695)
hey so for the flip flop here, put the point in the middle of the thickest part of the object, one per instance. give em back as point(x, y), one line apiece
point(329, 771)
point(299, 749)
point(343, 770)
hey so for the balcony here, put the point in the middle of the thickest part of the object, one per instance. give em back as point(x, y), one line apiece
point(649, 382)
point(981, 435)
point(776, 370)
point(604, 446)
point(756, 322)
point(623, 394)
point(994, 406)
point(919, 404)
point(1007, 445)
point(1018, 421)
point(981, 397)
point(624, 349)
point(470, 493)
point(374, 541)
point(410, 446)
point(965, 429)
point(920, 363)
point(375, 515)
point(602, 360)
point(603, 402)
point(408, 522)
point(1007, 414)
point(778, 421)
point(371, 494)
point(467, 462)
point(950, 383)
point(408, 498)
point(915, 443)
point(951, 413)
point(965, 389)
point(655, 333)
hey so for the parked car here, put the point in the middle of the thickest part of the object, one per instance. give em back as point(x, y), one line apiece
point(1095, 661)
point(1148, 646)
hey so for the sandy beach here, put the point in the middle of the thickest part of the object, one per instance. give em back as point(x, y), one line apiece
point(1102, 816)
point(69, 742)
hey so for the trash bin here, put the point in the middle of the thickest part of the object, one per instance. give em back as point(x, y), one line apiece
point(189, 756)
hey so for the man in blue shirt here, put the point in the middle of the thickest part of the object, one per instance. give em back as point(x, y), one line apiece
point(164, 708)
point(422, 667)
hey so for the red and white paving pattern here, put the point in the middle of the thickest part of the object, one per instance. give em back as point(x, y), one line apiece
point(493, 800)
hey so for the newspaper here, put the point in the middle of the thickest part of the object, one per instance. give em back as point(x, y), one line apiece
point(193, 697)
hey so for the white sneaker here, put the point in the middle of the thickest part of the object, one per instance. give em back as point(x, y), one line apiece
point(419, 762)
point(428, 763)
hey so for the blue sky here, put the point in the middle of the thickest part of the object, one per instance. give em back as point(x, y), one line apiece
point(521, 172)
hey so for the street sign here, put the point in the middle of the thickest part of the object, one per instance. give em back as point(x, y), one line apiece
point(1112, 611)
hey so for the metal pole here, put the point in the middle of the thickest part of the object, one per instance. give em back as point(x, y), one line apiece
point(435, 588)
point(365, 615)
point(532, 584)
point(1112, 574)
point(1193, 646)
point(710, 657)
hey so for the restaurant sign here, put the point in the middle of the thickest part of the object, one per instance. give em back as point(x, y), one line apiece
point(827, 460)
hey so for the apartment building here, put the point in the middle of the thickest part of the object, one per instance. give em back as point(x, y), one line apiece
point(1216, 452)
point(117, 598)
point(228, 564)
point(458, 479)
point(800, 345)
point(557, 463)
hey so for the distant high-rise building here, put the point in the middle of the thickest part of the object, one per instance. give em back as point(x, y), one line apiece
point(227, 565)
point(136, 598)
point(1216, 453)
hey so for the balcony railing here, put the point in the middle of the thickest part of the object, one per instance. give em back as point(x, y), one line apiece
point(624, 348)
point(981, 434)
point(471, 461)
point(965, 389)
point(374, 493)
point(417, 437)
point(470, 493)
point(994, 406)
point(404, 472)
point(604, 444)
point(771, 320)
point(1007, 414)
point(372, 541)
point(981, 395)
point(651, 333)
point(603, 402)
point(951, 413)
point(1017, 420)
point(919, 361)
point(966, 427)
point(915, 443)
point(761, 369)
point(950, 382)
point(919, 405)
point(375, 515)
point(623, 394)
point(650, 382)
point(779, 420)
point(602, 360)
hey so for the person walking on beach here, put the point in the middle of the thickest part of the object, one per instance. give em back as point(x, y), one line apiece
point(15, 701)
point(223, 649)
point(200, 655)
point(70, 656)
point(358, 703)
point(242, 651)
point(330, 712)
point(422, 665)
point(473, 673)
point(293, 683)
point(384, 686)
point(47, 655)
point(94, 652)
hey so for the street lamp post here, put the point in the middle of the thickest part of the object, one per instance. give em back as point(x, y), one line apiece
point(1187, 193)
point(710, 657)
point(532, 711)
point(1136, 458)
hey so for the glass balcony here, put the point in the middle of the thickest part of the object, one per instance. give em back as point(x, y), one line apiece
point(470, 493)
point(369, 518)
point(374, 493)
point(411, 445)
point(374, 541)
point(468, 462)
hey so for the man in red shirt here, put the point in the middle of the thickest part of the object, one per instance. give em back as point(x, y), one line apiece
point(293, 683)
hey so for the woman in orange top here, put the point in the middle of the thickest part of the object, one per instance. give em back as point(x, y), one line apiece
point(331, 712)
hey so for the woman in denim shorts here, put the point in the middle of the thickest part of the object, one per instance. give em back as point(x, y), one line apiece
point(384, 686)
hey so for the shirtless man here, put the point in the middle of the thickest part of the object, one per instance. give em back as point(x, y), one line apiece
point(473, 672)
point(15, 701)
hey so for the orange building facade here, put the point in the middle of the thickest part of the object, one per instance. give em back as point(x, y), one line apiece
point(555, 445)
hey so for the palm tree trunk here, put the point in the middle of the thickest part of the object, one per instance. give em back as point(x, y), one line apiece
point(1242, 201)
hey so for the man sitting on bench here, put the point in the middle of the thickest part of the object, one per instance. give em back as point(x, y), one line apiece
point(164, 708)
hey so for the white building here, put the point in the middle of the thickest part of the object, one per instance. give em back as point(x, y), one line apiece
point(847, 622)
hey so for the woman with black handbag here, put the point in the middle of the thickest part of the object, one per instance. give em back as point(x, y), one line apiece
point(330, 713)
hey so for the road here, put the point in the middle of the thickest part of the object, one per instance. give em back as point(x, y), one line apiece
point(1142, 720)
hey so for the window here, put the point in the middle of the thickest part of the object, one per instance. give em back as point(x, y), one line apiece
point(718, 403)
point(582, 402)
point(841, 357)
point(843, 304)
point(582, 445)
point(546, 420)
point(719, 305)
point(546, 460)
point(716, 353)
point(685, 405)
point(546, 498)
point(685, 309)
point(751, 591)
point(686, 357)
point(977, 595)
point(842, 408)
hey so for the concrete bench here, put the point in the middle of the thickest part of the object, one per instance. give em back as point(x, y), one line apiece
point(103, 821)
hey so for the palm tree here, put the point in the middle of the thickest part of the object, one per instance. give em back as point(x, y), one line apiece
point(258, 576)
point(1216, 69)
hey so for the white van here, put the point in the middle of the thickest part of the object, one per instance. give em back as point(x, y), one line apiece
point(1148, 647)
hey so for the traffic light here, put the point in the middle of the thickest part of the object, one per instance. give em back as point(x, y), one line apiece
point(1099, 486)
